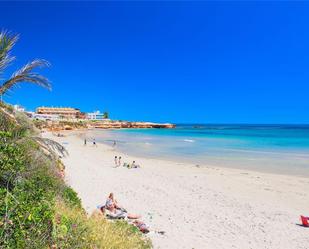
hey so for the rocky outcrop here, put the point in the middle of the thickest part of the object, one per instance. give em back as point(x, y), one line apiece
point(59, 125)
point(119, 125)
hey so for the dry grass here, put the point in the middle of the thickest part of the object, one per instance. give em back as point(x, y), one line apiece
point(73, 229)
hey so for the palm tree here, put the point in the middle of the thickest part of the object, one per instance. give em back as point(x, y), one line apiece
point(25, 74)
point(105, 115)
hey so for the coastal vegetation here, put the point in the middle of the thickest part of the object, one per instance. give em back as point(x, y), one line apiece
point(37, 208)
point(24, 74)
point(83, 124)
point(106, 115)
point(59, 125)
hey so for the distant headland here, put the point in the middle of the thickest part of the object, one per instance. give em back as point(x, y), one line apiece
point(68, 118)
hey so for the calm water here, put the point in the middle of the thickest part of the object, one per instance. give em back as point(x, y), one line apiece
point(275, 148)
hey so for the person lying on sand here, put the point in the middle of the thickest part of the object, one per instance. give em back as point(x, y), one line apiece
point(114, 213)
point(141, 226)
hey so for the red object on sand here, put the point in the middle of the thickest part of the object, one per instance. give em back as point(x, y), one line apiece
point(304, 220)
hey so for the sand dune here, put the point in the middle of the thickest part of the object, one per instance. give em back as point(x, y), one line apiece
point(197, 207)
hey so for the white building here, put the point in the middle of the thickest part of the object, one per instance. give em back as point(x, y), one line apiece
point(95, 116)
point(19, 108)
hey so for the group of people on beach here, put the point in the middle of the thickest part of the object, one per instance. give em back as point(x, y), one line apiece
point(117, 159)
point(133, 165)
point(113, 210)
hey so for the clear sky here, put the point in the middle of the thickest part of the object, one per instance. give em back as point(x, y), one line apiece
point(183, 62)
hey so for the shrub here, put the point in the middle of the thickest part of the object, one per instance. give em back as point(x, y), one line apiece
point(72, 229)
point(27, 196)
point(70, 197)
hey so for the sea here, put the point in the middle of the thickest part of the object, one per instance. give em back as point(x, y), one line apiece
point(281, 149)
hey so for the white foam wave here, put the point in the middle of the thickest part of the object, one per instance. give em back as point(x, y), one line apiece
point(189, 140)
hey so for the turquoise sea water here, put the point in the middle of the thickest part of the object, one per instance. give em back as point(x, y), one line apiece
point(275, 148)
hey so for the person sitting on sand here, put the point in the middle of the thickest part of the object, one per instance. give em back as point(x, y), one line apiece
point(116, 211)
point(111, 203)
point(134, 165)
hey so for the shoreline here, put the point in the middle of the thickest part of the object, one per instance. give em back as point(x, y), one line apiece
point(176, 160)
point(197, 207)
point(253, 160)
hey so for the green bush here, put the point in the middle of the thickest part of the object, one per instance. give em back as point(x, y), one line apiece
point(27, 197)
point(12, 160)
point(70, 197)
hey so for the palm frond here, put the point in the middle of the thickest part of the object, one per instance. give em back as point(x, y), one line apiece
point(25, 74)
point(7, 41)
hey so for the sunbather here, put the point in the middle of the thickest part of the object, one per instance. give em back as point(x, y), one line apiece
point(111, 202)
point(141, 226)
point(134, 165)
point(117, 213)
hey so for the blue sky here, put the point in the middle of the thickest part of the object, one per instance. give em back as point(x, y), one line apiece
point(201, 62)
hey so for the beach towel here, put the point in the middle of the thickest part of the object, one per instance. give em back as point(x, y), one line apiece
point(117, 215)
point(304, 221)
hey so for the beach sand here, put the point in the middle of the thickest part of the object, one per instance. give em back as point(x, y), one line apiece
point(197, 206)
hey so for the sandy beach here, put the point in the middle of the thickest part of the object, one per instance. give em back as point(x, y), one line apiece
point(197, 207)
